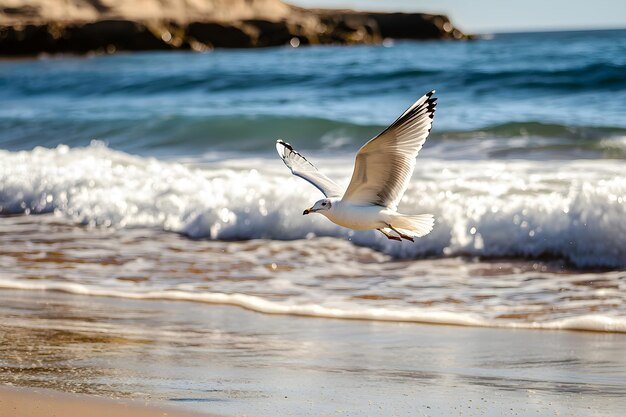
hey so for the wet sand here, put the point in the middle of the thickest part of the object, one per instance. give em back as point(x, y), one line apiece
point(226, 360)
point(37, 402)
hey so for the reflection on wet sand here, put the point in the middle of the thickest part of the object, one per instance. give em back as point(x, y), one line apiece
point(228, 360)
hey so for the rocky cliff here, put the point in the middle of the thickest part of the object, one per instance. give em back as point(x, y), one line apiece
point(30, 27)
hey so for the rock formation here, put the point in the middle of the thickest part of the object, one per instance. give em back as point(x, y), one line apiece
point(30, 27)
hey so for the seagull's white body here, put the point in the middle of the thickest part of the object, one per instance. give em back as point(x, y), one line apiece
point(358, 217)
point(382, 171)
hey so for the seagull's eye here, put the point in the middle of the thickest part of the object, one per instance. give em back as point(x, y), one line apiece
point(323, 204)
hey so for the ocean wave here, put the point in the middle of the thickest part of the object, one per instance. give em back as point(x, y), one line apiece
point(590, 322)
point(213, 74)
point(539, 129)
point(582, 77)
point(523, 96)
point(191, 134)
point(571, 210)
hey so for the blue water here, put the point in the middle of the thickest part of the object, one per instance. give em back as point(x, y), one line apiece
point(563, 91)
point(154, 175)
point(184, 142)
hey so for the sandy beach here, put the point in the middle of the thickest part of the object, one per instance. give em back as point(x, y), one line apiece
point(225, 360)
point(38, 402)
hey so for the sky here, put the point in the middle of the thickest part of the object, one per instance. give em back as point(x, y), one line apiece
point(486, 16)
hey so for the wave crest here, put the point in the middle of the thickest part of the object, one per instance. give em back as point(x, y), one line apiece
point(570, 210)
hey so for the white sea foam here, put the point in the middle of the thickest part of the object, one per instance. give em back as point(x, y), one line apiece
point(573, 210)
point(596, 322)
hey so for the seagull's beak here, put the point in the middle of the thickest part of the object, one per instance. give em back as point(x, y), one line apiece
point(307, 211)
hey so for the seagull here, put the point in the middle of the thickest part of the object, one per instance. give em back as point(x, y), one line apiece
point(382, 171)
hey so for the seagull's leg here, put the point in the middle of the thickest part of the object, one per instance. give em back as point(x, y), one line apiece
point(390, 237)
point(402, 235)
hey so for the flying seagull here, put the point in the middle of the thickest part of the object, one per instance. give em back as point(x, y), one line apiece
point(382, 171)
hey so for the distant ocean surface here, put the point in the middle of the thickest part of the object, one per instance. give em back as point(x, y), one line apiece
point(154, 175)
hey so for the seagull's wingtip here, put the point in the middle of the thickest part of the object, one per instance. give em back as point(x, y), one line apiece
point(284, 149)
point(281, 143)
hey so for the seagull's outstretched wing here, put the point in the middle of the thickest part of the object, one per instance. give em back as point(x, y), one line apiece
point(302, 168)
point(384, 165)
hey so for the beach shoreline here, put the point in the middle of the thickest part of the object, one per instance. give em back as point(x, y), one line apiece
point(147, 264)
point(229, 361)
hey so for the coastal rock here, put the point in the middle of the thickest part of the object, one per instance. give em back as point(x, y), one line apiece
point(219, 35)
point(55, 26)
point(104, 36)
point(415, 26)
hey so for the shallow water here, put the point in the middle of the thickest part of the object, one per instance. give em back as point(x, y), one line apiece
point(234, 362)
point(321, 277)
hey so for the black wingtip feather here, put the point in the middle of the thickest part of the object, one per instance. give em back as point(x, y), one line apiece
point(289, 148)
point(285, 144)
point(432, 104)
point(292, 151)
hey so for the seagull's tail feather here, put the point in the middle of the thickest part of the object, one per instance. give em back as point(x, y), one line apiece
point(413, 225)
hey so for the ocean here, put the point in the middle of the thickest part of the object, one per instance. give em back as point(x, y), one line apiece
point(155, 176)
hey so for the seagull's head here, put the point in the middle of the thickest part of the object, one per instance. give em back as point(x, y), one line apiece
point(322, 205)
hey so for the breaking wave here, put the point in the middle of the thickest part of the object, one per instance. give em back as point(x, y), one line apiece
point(590, 322)
point(570, 210)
